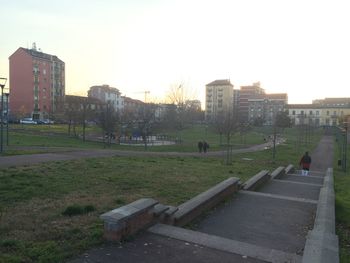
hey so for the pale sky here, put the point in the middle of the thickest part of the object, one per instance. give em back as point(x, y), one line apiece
point(299, 47)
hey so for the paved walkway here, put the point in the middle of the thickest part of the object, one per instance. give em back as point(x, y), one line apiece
point(17, 160)
point(268, 225)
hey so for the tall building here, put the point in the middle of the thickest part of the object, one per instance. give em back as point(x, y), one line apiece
point(37, 83)
point(106, 94)
point(264, 108)
point(246, 93)
point(219, 98)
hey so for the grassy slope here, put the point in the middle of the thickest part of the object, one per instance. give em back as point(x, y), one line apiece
point(342, 207)
point(32, 198)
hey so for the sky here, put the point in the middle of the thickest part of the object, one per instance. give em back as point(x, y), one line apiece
point(299, 47)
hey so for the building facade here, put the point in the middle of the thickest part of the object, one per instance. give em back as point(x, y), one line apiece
point(107, 94)
point(246, 93)
point(318, 114)
point(263, 109)
point(219, 98)
point(37, 83)
point(132, 107)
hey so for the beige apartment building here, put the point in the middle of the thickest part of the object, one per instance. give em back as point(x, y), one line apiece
point(219, 98)
point(318, 114)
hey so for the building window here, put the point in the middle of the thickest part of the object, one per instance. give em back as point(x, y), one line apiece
point(293, 112)
point(317, 113)
point(328, 115)
point(302, 112)
point(310, 112)
point(335, 113)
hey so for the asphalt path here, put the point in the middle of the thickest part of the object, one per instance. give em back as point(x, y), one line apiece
point(28, 159)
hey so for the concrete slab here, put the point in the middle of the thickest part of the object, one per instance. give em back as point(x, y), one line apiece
point(283, 197)
point(263, 221)
point(152, 248)
point(224, 244)
point(297, 183)
point(288, 189)
point(304, 179)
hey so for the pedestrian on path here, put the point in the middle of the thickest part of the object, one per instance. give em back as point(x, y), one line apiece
point(305, 163)
point(205, 146)
point(200, 146)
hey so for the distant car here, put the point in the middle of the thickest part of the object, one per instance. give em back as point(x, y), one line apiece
point(27, 121)
point(45, 121)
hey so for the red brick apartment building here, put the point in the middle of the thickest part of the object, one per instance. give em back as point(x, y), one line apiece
point(37, 83)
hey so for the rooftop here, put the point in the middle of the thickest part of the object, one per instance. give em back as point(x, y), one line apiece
point(41, 55)
point(220, 82)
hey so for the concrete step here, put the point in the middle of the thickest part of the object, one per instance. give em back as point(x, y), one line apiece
point(241, 252)
point(148, 247)
point(311, 173)
point(291, 182)
point(292, 189)
point(261, 220)
point(303, 179)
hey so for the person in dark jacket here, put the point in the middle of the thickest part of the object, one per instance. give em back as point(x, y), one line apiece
point(305, 163)
point(205, 146)
point(200, 146)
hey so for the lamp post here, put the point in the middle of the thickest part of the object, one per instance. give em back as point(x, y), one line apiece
point(7, 118)
point(2, 86)
point(345, 146)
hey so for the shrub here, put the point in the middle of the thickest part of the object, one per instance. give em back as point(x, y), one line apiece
point(73, 210)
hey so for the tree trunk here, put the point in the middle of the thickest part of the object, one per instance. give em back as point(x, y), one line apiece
point(69, 126)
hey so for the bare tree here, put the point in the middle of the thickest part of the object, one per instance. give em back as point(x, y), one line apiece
point(146, 121)
point(226, 124)
point(71, 112)
point(108, 121)
point(186, 111)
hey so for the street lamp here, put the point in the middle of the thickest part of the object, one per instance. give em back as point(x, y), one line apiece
point(2, 86)
point(7, 118)
point(345, 146)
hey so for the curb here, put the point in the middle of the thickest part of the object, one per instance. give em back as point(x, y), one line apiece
point(322, 245)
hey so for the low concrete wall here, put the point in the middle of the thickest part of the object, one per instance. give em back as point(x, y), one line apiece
point(257, 180)
point(322, 244)
point(290, 169)
point(278, 173)
point(129, 219)
point(194, 207)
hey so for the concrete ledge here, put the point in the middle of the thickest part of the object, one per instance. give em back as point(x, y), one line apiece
point(322, 243)
point(321, 247)
point(328, 180)
point(289, 169)
point(256, 181)
point(225, 244)
point(129, 219)
point(325, 215)
point(194, 207)
point(278, 173)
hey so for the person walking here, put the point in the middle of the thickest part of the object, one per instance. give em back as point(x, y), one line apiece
point(205, 146)
point(200, 146)
point(305, 163)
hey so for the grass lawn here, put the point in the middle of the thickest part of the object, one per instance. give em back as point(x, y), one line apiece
point(342, 206)
point(190, 137)
point(33, 198)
